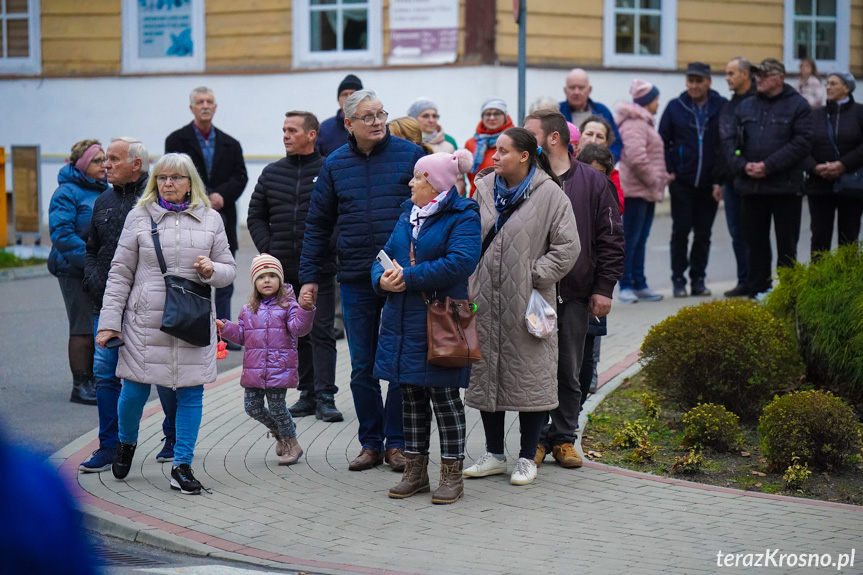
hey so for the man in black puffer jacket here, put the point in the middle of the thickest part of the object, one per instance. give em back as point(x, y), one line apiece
point(277, 222)
point(767, 142)
point(360, 190)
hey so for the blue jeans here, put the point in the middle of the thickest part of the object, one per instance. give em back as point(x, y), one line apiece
point(190, 404)
point(637, 220)
point(734, 217)
point(361, 308)
point(108, 388)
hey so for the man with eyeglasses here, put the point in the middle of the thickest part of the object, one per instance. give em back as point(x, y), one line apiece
point(128, 167)
point(219, 160)
point(360, 190)
point(767, 141)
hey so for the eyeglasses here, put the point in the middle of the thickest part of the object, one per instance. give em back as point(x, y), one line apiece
point(492, 114)
point(370, 120)
point(429, 116)
point(174, 179)
point(99, 161)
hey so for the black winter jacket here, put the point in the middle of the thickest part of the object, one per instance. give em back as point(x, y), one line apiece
point(846, 124)
point(278, 209)
point(776, 131)
point(109, 215)
point(229, 176)
point(727, 122)
point(362, 195)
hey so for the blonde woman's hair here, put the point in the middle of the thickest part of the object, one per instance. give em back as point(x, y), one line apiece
point(183, 164)
point(408, 128)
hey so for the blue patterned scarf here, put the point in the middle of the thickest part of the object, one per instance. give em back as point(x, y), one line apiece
point(174, 207)
point(483, 141)
point(506, 199)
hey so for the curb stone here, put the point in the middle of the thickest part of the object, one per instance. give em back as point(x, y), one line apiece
point(23, 273)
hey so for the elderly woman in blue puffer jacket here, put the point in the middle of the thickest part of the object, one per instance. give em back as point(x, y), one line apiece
point(80, 181)
point(443, 230)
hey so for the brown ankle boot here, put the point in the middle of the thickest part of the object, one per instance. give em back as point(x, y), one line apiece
point(291, 451)
point(451, 485)
point(415, 478)
point(274, 433)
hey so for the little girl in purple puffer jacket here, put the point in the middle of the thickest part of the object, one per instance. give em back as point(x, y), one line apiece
point(269, 327)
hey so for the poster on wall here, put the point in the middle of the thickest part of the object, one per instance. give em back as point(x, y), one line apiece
point(423, 31)
point(163, 35)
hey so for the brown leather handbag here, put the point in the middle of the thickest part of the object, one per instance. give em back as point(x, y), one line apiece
point(451, 331)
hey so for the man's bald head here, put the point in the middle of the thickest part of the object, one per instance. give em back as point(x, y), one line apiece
point(577, 89)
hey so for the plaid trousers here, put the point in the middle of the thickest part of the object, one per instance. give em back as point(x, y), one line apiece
point(417, 402)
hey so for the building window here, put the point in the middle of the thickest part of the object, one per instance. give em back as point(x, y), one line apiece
point(163, 36)
point(330, 33)
point(640, 33)
point(20, 39)
point(817, 29)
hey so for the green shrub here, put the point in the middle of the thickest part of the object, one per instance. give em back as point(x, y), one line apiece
point(711, 425)
point(824, 303)
point(692, 462)
point(731, 353)
point(650, 405)
point(644, 451)
point(631, 434)
point(815, 426)
point(796, 475)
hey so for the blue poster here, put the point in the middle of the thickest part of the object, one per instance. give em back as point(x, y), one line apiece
point(165, 28)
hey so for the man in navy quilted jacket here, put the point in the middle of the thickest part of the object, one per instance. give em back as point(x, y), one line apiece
point(360, 189)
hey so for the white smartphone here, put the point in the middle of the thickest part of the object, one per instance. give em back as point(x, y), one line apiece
point(385, 260)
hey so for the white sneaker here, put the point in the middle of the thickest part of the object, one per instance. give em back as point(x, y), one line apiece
point(647, 294)
point(627, 296)
point(524, 472)
point(486, 465)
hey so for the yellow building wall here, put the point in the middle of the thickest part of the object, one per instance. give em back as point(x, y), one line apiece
point(80, 38)
point(248, 35)
point(559, 32)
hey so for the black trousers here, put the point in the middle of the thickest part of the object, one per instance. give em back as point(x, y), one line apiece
point(316, 352)
point(758, 211)
point(823, 208)
point(530, 423)
point(692, 211)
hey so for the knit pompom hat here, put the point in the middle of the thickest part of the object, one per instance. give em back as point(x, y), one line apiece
point(643, 92)
point(442, 169)
point(265, 263)
point(574, 133)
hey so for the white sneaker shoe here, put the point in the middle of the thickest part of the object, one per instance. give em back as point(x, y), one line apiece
point(524, 472)
point(627, 296)
point(486, 465)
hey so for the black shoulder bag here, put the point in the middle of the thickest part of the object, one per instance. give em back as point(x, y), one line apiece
point(188, 308)
point(848, 183)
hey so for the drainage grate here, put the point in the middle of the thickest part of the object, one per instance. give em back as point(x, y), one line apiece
point(104, 557)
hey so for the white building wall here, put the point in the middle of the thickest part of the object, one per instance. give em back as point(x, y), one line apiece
point(55, 113)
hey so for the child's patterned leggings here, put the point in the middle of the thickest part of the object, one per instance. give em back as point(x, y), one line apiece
point(277, 417)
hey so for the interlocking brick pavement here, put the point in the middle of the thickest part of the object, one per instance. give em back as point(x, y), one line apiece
point(318, 515)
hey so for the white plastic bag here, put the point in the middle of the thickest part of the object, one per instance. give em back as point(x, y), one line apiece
point(540, 316)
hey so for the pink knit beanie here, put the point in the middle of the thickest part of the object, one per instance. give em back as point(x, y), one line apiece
point(574, 133)
point(643, 92)
point(442, 169)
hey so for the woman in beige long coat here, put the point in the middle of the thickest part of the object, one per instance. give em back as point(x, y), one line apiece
point(195, 247)
point(533, 249)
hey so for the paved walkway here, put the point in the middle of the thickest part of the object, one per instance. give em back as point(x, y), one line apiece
point(320, 517)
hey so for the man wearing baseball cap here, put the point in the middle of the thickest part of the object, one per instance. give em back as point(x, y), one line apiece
point(333, 134)
point(767, 140)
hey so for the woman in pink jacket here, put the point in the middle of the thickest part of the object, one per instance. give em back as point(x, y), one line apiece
point(643, 178)
point(269, 327)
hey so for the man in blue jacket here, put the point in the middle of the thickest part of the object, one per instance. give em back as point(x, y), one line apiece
point(360, 189)
point(333, 134)
point(578, 106)
point(690, 131)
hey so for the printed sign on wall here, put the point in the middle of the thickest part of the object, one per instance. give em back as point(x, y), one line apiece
point(423, 31)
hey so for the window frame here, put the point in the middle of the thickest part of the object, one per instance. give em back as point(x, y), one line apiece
point(843, 40)
point(667, 60)
point(32, 64)
point(303, 57)
point(133, 64)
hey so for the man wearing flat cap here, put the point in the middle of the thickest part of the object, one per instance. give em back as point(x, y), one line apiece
point(767, 141)
point(690, 132)
point(334, 134)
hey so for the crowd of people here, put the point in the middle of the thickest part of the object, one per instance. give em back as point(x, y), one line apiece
point(559, 209)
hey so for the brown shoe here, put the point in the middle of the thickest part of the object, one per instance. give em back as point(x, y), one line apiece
point(291, 451)
point(274, 433)
point(367, 459)
point(415, 478)
point(395, 457)
point(451, 485)
point(540, 455)
point(566, 456)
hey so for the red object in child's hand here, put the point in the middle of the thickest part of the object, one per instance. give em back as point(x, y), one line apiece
point(222, 350)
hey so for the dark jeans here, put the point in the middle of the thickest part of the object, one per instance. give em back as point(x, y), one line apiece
point(572, 319)
point(108, 387)
point(692, 210)
point(822, 209)
point(379, 422)
point(530, 422)
point(758, 211)
point(588, 365)
point(734, 218)
point(317, 350)
point(637, 220)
